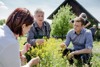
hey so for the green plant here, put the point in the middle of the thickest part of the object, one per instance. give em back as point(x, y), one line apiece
point(60, 23)
point(2, 21)
point(51, 53)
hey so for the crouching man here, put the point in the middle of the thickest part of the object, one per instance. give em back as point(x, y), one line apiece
point(82, 41)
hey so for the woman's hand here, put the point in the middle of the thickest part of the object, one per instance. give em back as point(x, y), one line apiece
point(32, 62)
point(26, 48)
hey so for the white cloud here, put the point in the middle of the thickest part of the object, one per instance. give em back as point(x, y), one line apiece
point(2, 5)
point(3, 10)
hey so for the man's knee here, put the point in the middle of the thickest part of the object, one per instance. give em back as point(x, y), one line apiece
point(86, 58)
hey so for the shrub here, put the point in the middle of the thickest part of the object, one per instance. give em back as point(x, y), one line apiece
point(60, 23)
point(2, 21)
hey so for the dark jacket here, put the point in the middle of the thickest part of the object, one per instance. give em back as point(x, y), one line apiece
point(38, 33)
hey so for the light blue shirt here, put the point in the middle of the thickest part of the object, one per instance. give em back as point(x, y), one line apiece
point(81, 41)
point(9, 48)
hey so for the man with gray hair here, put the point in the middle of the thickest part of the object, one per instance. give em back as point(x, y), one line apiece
point(39, 29)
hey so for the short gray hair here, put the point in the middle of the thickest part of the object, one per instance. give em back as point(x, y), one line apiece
point(38, 11)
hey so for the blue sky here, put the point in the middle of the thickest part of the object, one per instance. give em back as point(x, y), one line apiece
point(7, 6)
point(47, 5)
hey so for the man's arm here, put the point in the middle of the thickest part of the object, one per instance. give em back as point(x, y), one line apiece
point(67, 41)
point(48, 28)
point(83, 51)
point(87, 24)
point(30, 37)
point(77, 52)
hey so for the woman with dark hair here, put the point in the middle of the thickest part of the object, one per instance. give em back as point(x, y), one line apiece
point(17, 24)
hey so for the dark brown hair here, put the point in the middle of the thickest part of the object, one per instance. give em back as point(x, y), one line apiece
point(79, 19)
point(17, 18)
point(83, 15)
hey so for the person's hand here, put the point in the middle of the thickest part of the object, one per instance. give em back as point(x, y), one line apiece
point(39, 41)
point(23, 60)
point(26, 48)
point(62, 45)
point(70, 55)
point(35, 60)
point(32, 62)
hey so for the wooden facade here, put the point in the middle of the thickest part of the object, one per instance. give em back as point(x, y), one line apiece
point(77, 10)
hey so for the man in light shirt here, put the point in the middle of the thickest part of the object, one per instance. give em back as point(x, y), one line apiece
point(81, 39)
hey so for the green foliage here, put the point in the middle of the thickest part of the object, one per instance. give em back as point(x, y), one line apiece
point(96, 54)
point(2, 21)
point(51, 55)
point(60, 23)
point(97, 35)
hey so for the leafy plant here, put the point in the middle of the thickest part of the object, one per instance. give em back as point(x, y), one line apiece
point(60, 23)
point(2, 21)
point(50, 53)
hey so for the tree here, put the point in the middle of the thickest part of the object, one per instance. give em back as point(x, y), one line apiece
point(60, 23)
point(2, 21)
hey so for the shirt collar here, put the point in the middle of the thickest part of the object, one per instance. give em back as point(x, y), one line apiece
point(82, 31)
point(36, 25)
point(44, 24)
